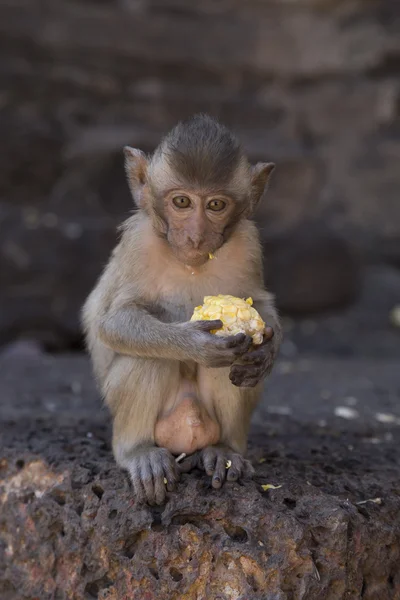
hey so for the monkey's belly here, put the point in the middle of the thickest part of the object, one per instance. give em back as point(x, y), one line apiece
point(186, 427)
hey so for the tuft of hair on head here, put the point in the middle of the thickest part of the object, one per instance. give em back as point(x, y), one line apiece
point(201, 151)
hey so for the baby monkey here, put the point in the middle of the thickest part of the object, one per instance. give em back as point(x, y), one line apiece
point(172, 386)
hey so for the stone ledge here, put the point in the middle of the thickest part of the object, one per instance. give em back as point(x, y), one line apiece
point(69, 527)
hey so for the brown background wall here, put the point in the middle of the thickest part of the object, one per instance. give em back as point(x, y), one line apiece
point(313, 85)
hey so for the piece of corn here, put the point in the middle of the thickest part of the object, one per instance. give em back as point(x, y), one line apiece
point(236, 314)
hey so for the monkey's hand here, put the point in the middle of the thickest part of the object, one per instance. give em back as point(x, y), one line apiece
point(219, 462)
point(149, 468)
point(213, 351)
point(256, 363)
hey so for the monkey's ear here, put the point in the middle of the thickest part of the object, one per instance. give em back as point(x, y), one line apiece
point(260, 174)
point(136, 171)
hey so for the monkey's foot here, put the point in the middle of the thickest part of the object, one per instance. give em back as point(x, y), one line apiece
point(221, 463)
point(150, 468)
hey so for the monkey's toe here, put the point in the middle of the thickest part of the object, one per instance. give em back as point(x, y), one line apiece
point(189, 463)
point(220, 471)
point(153, 473)
point(234, 472)
point(222, 464)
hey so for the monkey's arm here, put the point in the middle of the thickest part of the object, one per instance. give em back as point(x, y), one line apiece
point(257, 363)
point(132, 330)
point(265, 306)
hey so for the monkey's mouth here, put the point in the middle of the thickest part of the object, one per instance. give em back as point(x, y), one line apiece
point(193, 258)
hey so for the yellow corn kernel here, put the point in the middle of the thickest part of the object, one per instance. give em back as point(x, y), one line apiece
point(236, 314)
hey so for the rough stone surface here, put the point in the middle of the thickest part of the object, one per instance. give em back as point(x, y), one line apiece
point(327, 432)
point(312, 85)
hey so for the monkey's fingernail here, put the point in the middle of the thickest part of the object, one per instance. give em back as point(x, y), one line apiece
point(165, 481)
point(228, 464)
point(180, 457)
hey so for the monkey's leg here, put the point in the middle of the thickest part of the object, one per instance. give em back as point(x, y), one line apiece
point(233, 407)
point(135, 391)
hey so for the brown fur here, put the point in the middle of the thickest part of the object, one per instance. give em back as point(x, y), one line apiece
point(148, 358)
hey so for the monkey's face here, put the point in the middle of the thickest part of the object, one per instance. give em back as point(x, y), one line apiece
point(197, 186)
point(197, 223)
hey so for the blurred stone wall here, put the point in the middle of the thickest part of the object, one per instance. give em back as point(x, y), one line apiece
point(310, 84)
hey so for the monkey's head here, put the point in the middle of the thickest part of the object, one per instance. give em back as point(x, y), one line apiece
point(196, 187)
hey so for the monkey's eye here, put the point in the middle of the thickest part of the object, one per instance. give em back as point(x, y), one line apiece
point(216, 205)
point(181, 201)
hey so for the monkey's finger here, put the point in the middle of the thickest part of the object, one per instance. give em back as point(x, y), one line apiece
point(171, 474)
point(161, 489)
point(209, 325)
point(255, 358)
point(252, 370)
point(243, 380)
point(243, 347)
point(220, 471)
point(233, 341)
point(169, 466)
point(249, 382)
point(158, 478)
point(228, 356)
point(190, 462)
point(209, 457)
point(138, 489)
point(148, 484)
point(236, 468)
point(146, 477)
point(248, 470)
point(268, 335)
point(139, 493)
point(245, 371)
point(236, 379)
point(172, 479)
point(233, 474)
